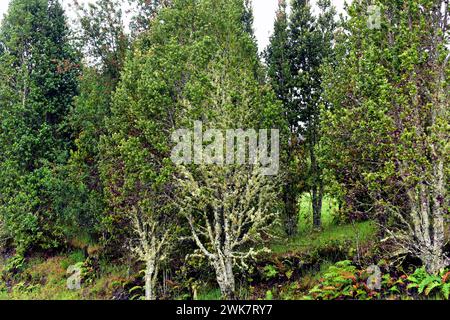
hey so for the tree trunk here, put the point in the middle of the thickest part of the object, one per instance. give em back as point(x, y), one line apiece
point(428, 225)
point(151, 274)
point(317, 183)
point(290, 202)
point(317, 198)
point(291, 214)
point(434, 261)
point(225, 278)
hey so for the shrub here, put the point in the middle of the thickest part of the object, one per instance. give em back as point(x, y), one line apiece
point(430, 285)
point(341, 281)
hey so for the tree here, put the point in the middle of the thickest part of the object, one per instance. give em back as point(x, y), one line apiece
point(104, 42)
point(102, 36)
point(167, 84)
point(39, 73)
point(154, 236)
point(134, 164)
point(279, 71)
point(84, 201)
point(228, 209)
point(300, 46)
point(145, 11)
point(388, 122)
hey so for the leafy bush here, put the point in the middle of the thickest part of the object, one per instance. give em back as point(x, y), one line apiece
point(73, 258)
point(430, 284)
point(345, 281)
point(341, 281)
point(270, 272)
point(15, 264)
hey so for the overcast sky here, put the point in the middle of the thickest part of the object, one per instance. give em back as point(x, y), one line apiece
point(264, 11)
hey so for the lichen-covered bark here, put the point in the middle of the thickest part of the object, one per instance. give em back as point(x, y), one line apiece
point(149, 246)
point(226, 214)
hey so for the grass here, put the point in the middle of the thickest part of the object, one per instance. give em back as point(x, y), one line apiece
point(210, 294)
point(46, 279)
point(308, 239)
point(357, 233)
point(329, 209)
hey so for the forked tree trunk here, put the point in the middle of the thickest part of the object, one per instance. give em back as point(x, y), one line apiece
point(427, 209)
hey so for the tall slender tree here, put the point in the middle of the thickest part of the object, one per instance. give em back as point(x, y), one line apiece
point(101, 35)
point(277, 56)
point(300, 46)
point(311, 43)
point(39, 74)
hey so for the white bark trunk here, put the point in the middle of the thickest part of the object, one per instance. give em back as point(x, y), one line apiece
point(428, 223)
point(225, 277)
point(151, 274)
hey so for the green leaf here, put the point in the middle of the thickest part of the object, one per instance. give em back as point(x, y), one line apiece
point(430, 288)
point(446, 290)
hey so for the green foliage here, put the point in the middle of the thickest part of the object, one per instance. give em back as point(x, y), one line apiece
point(375, 143)
point(345, 281)
point(15, 264)
point(38, 75)
point(211, 294)
point(300, 45)
point(73, 258)
point(89, 271)
point(270, 272)
point(146, 10)
point(102, 36)
point(341, 281)
point(85, 146)
point(430, 285)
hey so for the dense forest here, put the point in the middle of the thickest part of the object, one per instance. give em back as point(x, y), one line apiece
point(347, 198)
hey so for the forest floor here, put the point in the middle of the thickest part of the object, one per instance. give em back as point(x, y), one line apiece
point(297, 265)
point(293, 267)
point(45, 278)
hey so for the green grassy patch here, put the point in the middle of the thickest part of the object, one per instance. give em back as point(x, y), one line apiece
point(46, 279)
point(209, 294)
point(357, 234)
point(309, 239)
